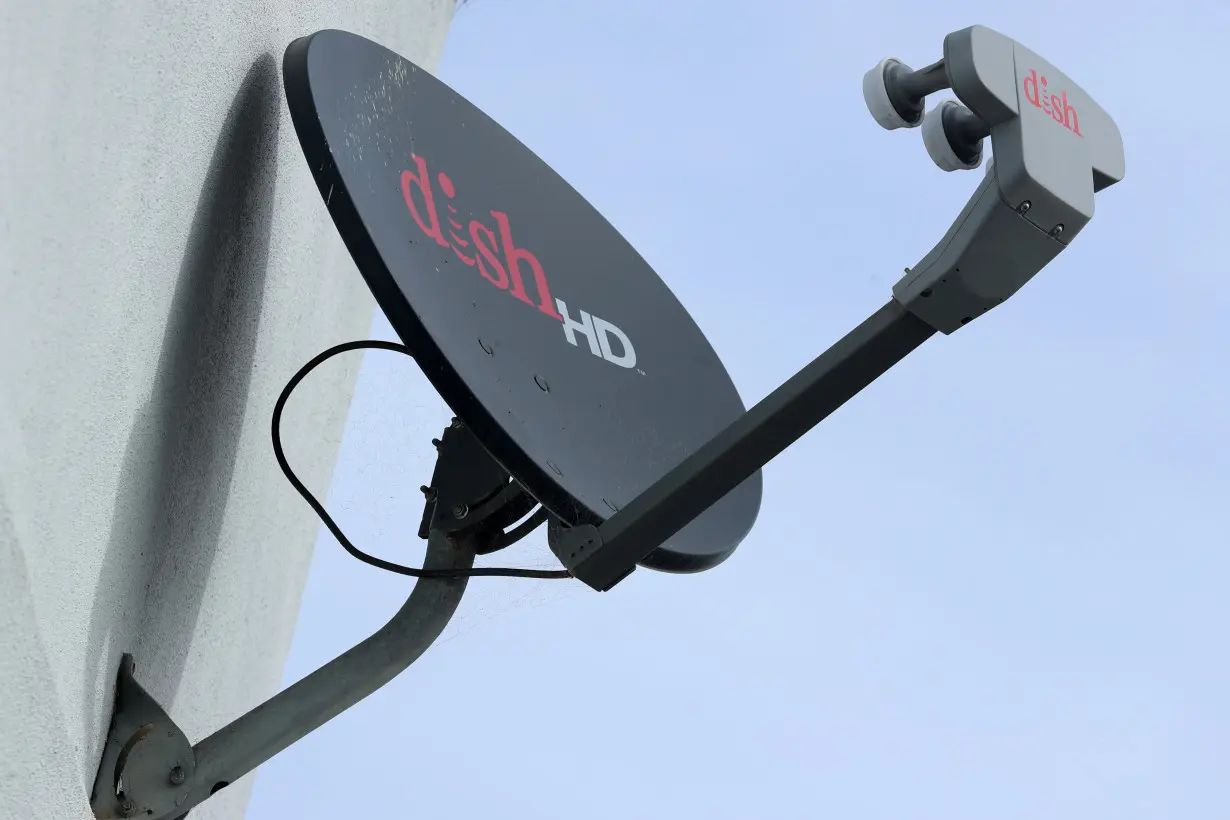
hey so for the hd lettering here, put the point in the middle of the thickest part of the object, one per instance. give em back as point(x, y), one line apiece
point(504, 265)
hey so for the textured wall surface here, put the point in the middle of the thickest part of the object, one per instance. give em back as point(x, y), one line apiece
point(165, 265)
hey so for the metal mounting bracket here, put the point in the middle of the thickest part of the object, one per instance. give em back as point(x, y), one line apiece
point(149, 769)
point(145, 754)
point(461, 495)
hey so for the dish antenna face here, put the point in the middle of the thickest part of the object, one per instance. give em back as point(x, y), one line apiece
point(579, 381)
point(540, 326)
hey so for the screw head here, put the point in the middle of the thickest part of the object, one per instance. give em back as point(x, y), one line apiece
point(455, 423)
point(177, 775)
point(1025, 206)
point(460, 511)
point(127, 808)
point(1057, 230)
point(428, 492)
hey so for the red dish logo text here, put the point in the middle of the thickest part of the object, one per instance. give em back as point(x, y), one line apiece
point(503, 264)
point(1038, 92)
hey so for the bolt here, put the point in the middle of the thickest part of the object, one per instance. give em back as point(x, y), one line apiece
point(1057, 230)
point(1025, 206)
point(455, 423)
point(177, 775)
point(460, 511)
point(435, 442)
point(542, 383)
point(127, 807)
point(428, 492)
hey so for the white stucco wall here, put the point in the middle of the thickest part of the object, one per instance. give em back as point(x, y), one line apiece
point(165, 265)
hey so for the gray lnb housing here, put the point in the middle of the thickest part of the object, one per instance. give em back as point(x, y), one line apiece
point(1054, 147)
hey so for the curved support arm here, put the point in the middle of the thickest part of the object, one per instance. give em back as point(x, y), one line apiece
point(249, 741)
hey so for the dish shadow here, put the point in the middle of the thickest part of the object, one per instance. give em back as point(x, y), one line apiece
point(181, 453)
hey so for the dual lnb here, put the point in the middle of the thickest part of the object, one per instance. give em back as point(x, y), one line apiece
point(896, 96)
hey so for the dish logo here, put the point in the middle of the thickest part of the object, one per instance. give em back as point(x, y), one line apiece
point(1056, 105)
point(503, 264)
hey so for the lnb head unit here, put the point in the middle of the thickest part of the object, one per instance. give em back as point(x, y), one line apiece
point(1054, 148)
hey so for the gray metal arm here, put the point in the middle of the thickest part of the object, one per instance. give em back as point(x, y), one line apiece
point(237, 749)
point(150, 771)
point(602, 556)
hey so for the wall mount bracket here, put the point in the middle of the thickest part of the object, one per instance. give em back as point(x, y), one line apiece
point(149, 769)
point(145, 754)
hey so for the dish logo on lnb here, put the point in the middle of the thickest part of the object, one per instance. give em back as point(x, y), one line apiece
point(500, 262)
point(1056, 106)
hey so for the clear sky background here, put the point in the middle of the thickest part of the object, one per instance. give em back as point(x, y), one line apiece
point(991, 586)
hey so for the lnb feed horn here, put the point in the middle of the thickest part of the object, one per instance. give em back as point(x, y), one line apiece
point(953, 136)
point(896, 94)
point(1053, 148)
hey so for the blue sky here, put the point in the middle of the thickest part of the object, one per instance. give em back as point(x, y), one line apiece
point(991, 586)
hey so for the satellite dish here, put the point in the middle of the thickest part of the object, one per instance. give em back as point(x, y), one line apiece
point(579, 381)
point(542, 328)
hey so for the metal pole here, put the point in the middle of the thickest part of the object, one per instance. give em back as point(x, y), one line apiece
point(781, 418)
point(236, 749)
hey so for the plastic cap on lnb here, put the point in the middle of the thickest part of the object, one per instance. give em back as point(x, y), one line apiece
point(875, 94)
point(939, 145)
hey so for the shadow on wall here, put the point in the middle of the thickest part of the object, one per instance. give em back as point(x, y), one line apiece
point(181, 453)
